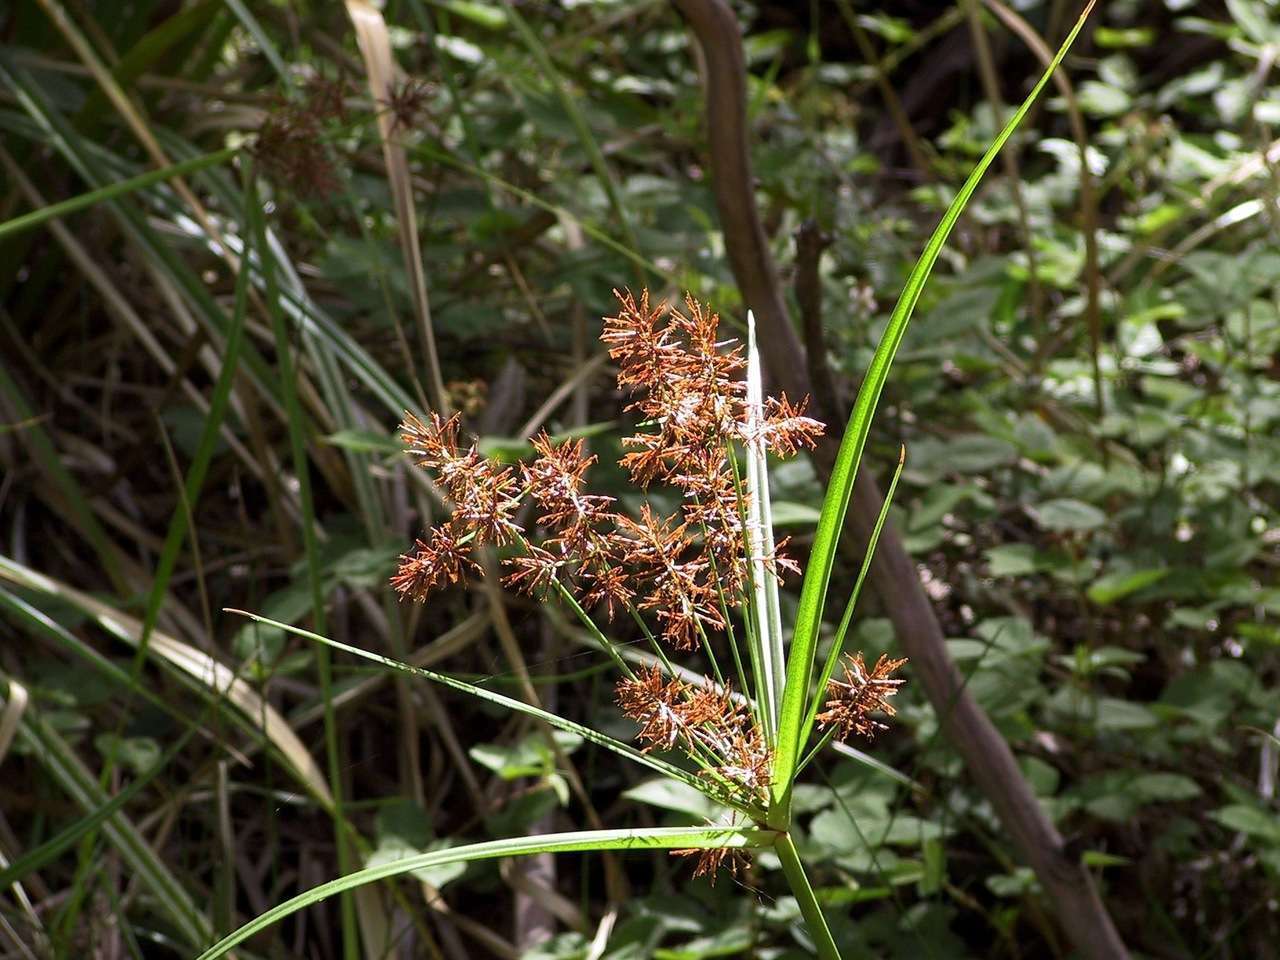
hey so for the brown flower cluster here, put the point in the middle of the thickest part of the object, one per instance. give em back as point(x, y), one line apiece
point(852, 701)
point(707, 723)
point(485, 499)
point(711, 859)
point(406, 101)
point(291, 144)
point(683, 569)
point(692, 397)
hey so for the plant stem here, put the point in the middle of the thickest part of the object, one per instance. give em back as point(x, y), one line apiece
point(803, 892)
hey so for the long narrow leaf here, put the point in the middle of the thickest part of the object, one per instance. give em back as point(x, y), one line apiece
point(219, 402)
point(374, 41)
point(767, 610)
point(58, 757)
point(795, 698)
point(212, 677)
point(650, 838)
point(113, 190)
point(837, 645)
point(48, 851)
point(519, 706)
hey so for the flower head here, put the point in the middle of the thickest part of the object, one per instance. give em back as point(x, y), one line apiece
point(653, 702)
point(685, 570)
point(446, 558)
point(852, 701)
point(711, 859)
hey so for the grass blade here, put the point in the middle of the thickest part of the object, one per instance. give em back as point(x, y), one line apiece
point(795, 698)
point(519, 706)
point(57, 756)
point(767, 610)
point(375, 47)
point(257, 234)
point(219, 402)
point(33, 860)
point(837, 645)
point(650, 838)
point(14, 701)
point(63, 488)
point(113, 190)
point(213, 677)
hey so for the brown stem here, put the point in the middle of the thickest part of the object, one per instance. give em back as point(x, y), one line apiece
point(892, 103)
point(810, 242)
point(1067, 885)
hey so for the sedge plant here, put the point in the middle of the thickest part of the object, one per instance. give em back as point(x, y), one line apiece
point(704, 579)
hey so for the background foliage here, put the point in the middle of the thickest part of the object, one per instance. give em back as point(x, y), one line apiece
point(1089, 400)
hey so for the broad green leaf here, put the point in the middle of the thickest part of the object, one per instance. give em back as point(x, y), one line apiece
point(734, 941)
point(1102, 100)
point(1115, 714)
point(1065, 515)
point(1254, 821)
point(85, 200)
point(531, 757)
point(1012, 560)
point(1119, 584)
point(139, 754)
point(673, 795)
point(404, 830)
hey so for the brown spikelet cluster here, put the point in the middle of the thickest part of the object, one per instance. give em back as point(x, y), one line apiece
point(852, 701)
point(485, 498)
point(291, 147)
point(706, 723)
point(689, 390)
point(406, 101)
point(711, 859)
point(678, 568)
point(680, 573)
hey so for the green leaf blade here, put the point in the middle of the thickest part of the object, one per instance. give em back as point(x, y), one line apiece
point(651, 838)
point(800, 664)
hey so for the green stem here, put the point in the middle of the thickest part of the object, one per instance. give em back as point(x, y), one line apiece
point(803, 892)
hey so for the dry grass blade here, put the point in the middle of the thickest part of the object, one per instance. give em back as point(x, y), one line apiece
point(221, 681)
point(375, 48)
point(137, 853)
point(192, 662)
point(129, 112)
point(119, 306)
point(14, 703)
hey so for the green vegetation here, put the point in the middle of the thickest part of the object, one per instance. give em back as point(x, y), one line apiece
point(240, 241)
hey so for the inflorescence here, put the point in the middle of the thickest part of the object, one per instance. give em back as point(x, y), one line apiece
point(686, 570)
